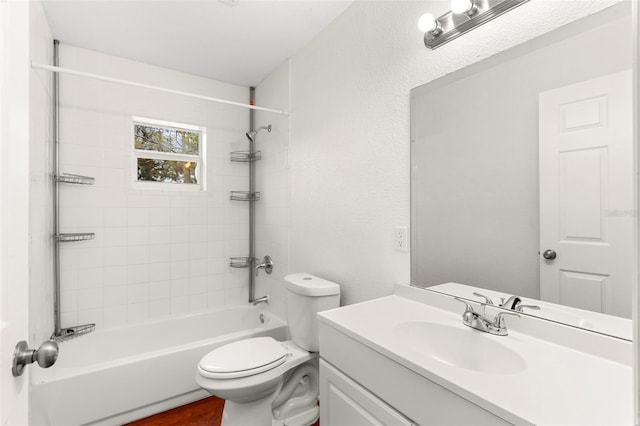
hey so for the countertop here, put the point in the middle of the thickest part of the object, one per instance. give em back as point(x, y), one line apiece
point(560, 385)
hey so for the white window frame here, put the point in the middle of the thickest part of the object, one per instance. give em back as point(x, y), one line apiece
point(142, 153)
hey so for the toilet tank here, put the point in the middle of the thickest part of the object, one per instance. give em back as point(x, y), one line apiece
point(307, 295)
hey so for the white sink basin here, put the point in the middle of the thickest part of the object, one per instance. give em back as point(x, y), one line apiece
point(459, 346)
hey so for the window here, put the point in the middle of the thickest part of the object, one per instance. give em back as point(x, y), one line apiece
point(168, 154)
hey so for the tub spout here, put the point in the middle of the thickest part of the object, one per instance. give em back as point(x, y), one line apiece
point(263, 299)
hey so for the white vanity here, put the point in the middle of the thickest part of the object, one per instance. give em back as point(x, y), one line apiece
point(409, 359)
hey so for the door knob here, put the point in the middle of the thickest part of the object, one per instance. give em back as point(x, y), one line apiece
point(46, 355)
point(549, 254)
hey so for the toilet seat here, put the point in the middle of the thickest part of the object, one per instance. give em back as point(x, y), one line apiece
point(243, 358)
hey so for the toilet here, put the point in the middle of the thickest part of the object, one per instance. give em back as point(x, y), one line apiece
point(266, 382)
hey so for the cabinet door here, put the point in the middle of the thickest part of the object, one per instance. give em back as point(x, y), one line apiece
point(343, 402)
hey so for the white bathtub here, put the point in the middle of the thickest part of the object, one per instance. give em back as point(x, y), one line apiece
point(117, 375)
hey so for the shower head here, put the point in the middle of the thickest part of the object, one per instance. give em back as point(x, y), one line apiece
point(252, 134)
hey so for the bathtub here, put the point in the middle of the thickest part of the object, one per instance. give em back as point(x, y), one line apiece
point(117, 375)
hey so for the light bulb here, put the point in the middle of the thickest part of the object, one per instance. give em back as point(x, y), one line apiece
point(427, 23)
point(461, 6)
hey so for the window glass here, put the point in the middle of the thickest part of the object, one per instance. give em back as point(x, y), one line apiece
point(167, 153)
point(161, 139)
point(169, 171)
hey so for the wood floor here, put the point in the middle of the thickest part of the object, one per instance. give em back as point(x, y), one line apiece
point(206, 412)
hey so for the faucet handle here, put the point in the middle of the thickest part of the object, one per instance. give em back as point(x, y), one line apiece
point(486, 299)
point(532, 307)
point(267, 265)
point(498, 321)
point(468, 306)
point(469, 313)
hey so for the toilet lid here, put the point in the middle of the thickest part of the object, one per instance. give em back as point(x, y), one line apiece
point(243, 358)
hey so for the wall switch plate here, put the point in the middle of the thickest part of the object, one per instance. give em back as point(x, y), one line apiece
point(400, 238)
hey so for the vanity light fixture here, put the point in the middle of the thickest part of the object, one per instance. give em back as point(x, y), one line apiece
point(428, 23)
point(468, 7)
point(464, 16)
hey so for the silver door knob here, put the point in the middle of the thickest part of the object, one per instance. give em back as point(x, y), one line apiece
point(46, 355)
point(549, 254)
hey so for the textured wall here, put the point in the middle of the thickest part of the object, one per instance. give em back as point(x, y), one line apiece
point(156, 252)
point(350, 130)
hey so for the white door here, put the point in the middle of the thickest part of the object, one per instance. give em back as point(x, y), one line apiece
point(587, 206)
point(14, 205)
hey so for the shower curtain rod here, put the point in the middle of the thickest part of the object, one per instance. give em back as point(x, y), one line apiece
point(148, 86)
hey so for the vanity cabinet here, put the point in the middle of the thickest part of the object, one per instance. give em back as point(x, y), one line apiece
point(345, 403)
point(359, 385)
point(408, 359)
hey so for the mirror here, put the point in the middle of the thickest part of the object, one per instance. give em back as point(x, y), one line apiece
point(522, 174)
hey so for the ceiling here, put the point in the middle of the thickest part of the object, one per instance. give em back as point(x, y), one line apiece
point(235, 41)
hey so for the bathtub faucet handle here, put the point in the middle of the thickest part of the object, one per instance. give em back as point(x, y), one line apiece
point(267, 265)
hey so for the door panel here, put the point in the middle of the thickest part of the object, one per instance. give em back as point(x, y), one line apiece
point(584, 290)
point(581, 195)
point(14, 205)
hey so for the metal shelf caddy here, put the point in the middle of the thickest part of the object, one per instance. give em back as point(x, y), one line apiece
point(250, 196)
point(74, 179)
point(65, 238)
point(241, 262)
point(59, 333)
point(244, 196)
point(245, 156)
point(71, 332)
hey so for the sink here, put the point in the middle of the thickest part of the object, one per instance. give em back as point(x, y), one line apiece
point(459, 346)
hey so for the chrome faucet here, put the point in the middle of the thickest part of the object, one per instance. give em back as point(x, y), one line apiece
point(515, 304)
point(263, 299)
point(473, 319)
point(267, 265)
point(511, 303)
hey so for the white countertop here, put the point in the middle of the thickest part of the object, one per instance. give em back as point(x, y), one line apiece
point(559, 385)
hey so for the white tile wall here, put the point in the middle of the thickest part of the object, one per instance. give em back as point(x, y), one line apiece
point(156, 252)
point(40, 185)
point(272, 180)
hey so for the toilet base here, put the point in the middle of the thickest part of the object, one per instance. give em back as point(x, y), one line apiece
point(247, 413)
point(305, 418)
point(294, 402)
point(259, 413)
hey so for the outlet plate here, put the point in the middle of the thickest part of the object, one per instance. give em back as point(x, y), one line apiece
point(401, 238)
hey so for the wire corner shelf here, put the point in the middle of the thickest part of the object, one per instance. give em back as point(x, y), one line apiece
point(66, 238)
point(71, 332)
point(74, 179)
point(241, 262)
point(244, 196)
point(245, 156)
